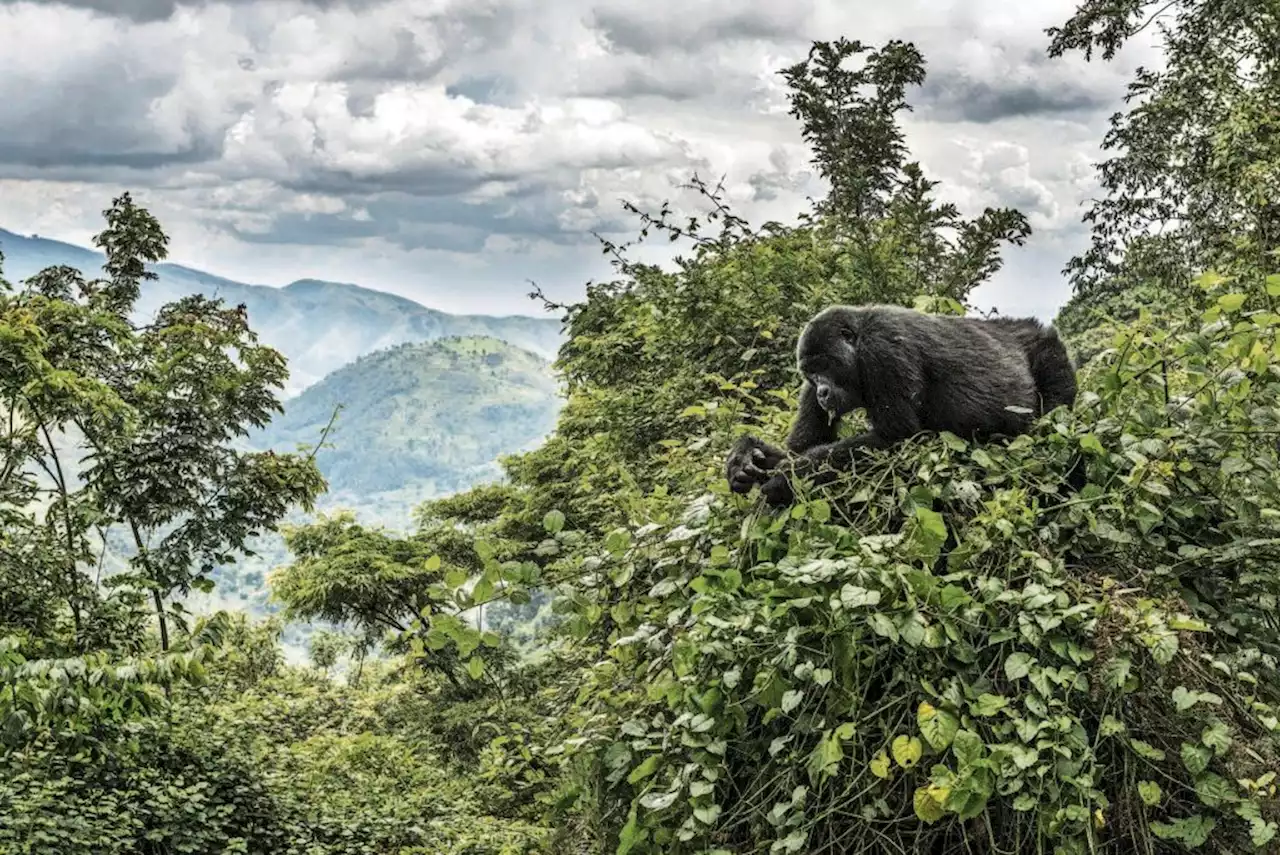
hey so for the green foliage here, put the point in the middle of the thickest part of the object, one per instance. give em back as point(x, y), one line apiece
point(794, 679)
point(111, 424)
point(264, 760)
point(1194, 176)
point(417, 588)
point(939, 651)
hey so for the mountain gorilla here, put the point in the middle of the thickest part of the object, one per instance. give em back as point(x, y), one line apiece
point(912, 372)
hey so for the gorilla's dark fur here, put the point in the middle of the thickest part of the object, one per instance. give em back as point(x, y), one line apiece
point(912, 372)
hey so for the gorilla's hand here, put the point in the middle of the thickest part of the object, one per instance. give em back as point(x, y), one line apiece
point(780, 490)
point(751, 462)
point(813, 467)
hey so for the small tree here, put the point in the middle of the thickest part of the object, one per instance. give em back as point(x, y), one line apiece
point(381, 584)
point(157, 411)
point(1194, 173)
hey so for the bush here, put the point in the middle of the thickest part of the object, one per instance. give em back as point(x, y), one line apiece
point(1094, 674)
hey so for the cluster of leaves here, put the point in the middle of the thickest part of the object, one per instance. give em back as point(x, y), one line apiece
point(1098, 673)
point(122, 728)
point(110, 426)
point(1193, 176)
point(941, 652)
point(264, 758)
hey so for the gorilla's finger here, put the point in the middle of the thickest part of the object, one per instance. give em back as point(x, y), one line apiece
point(777, 491)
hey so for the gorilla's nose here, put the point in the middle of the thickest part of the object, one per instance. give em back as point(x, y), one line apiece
point(824, 396)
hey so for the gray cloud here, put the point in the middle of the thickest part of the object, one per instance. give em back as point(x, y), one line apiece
point(148, 11)
point(450, 144)
point(988, 101)
point(1012, 83)
point(664, 26)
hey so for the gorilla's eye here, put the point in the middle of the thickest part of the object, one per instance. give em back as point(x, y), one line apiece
point(846, 332)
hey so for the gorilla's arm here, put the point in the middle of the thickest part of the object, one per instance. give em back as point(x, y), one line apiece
point(813, 426)
point(892, 385)
point(753, 461)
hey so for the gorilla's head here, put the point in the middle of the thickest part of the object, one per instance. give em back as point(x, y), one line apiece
point(826, 356)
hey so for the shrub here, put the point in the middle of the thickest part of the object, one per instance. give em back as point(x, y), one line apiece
point(1091, 674)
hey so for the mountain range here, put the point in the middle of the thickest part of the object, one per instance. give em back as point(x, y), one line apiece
point(320, 326)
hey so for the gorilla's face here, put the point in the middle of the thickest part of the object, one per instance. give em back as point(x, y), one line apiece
point(825, 356)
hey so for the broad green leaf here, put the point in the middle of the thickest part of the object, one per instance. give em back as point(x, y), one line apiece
point(791, 700)
point(1143, 749)
point(928, 802)
point(937, 726)
point(659, 801)
point(1017, 666)
point(1193, 831)
point(931, 531)
point(852, 597)
point(707, 815)
point(882, 625)
point(988, 705)
point(1261, 832)
point(631, 834)
point(820, 510)
point(907, 751)
point(968, 748)
point(1149, 792)
point(645, 769)
point(1195, 757)
point(1232, 302)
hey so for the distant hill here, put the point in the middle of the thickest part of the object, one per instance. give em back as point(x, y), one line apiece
point(319, 326)
point(433, 415)
point(420, 421)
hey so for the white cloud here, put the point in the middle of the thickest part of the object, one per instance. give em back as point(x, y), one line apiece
point(451, 149)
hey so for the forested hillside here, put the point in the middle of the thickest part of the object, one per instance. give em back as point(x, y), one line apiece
point(435, 415)
point(942, 652)
point(414, 422)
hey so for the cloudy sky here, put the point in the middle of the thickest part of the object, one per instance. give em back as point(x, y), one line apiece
point(450, 150)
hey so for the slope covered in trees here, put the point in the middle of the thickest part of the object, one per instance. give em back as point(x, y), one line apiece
point(1089, 674)
point(435, 414)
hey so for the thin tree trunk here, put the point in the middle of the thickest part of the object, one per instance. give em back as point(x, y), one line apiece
point(155, 592)
point(64, 493)
point(164, 627)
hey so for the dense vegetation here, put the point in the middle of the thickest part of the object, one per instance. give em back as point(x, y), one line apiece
point(675, 669)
